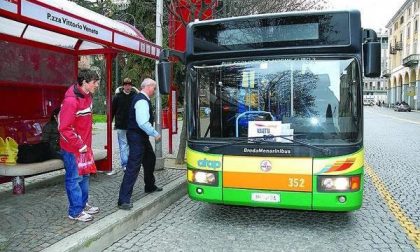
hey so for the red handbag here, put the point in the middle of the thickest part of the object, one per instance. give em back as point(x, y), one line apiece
point(85, 163)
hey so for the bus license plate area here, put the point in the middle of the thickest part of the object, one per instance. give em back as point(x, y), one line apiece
point(265, 197)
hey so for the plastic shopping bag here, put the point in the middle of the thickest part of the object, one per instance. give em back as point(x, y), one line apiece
point(85, 163)
point(8, 151)
point(3, 155)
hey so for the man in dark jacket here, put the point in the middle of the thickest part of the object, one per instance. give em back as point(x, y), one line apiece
point(120, 107)
point(51, 136)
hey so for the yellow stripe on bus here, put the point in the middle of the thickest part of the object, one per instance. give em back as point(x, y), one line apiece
point(409, 227)
point(204, 161)
point(283, 165)
point(268, 181)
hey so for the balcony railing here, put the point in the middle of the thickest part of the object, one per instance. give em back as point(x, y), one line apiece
point(386, 73)
point(392, 50)
point(398, 46)
point(411, 60)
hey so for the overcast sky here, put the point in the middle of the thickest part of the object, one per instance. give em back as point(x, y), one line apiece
point(375, 13)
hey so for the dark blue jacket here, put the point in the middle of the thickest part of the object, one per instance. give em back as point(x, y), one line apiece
point(132, 123)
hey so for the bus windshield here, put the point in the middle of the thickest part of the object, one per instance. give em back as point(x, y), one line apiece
point(315, 99)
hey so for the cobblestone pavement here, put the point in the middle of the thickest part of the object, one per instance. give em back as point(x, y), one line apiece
point(391, 147)
point(37, 219)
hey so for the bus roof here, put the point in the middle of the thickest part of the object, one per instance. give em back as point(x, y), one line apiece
point(286, 33)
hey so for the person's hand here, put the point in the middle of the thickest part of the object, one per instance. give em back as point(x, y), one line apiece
point(158, 138)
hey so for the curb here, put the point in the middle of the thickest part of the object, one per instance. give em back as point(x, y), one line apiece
point(170, 163)
point(106, 231)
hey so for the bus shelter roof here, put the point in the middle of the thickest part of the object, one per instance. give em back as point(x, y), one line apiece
point(64, 24)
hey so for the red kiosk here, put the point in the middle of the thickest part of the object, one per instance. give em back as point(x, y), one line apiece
point(40, 45)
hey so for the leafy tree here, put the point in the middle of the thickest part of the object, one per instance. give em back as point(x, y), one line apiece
point(104, 7)
point(143, 13)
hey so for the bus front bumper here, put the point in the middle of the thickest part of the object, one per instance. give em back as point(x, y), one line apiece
point(319, 201)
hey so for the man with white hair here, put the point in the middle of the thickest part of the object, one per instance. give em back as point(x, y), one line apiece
point(140, 127)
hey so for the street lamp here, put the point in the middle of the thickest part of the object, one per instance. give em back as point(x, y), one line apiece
point(158, 99)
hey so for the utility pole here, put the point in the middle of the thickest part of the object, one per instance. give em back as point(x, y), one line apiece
point(158, 99)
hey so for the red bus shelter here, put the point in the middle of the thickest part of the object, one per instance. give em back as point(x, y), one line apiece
point(40, 45)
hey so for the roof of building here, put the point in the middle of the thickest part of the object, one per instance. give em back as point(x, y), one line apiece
point(398, 13)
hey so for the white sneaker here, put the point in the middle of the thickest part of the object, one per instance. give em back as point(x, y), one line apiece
point(111, 172)
point(83, 216)
point(91, 209)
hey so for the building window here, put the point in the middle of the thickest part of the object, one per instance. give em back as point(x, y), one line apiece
point(408, 30)
point(396, 25)
point(415, 26)
point(384, 44)
point(402, 20)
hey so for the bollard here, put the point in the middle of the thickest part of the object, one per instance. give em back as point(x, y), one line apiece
point(18, 185)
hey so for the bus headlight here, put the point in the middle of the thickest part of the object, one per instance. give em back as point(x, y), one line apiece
point(202, 177)
point(338, 183)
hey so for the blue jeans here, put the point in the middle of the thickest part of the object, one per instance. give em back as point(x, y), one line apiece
point(77, 187)
point(124, 149)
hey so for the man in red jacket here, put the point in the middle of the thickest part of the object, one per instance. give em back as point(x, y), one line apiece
point(75, 127)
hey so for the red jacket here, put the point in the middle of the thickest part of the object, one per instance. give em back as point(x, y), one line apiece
point(75, 120)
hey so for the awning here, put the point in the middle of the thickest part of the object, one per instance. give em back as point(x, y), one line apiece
point(65, 24)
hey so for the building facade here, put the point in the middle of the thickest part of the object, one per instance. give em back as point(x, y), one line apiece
point(404, 55)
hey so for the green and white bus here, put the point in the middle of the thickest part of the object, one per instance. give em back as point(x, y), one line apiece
point(274, 109)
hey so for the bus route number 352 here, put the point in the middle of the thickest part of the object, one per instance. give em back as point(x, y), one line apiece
point(296, 182)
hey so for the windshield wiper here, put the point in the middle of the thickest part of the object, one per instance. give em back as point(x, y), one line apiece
point(268, 139)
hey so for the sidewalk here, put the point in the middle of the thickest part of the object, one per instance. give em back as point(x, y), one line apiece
point(38, 219)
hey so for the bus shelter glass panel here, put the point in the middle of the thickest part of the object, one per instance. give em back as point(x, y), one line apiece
point(27, 64)
point(11, 27)
point(313, 99)
point(49, 37)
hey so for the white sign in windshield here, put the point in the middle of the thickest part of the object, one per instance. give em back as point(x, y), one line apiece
point(270, 128)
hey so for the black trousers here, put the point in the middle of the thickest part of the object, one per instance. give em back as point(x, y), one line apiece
point(140, 153)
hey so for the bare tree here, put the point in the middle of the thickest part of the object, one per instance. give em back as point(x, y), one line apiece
point(233, 8)
point(228, 8)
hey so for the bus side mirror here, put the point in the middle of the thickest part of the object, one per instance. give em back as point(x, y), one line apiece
point(164, 76)
point(372, 59)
